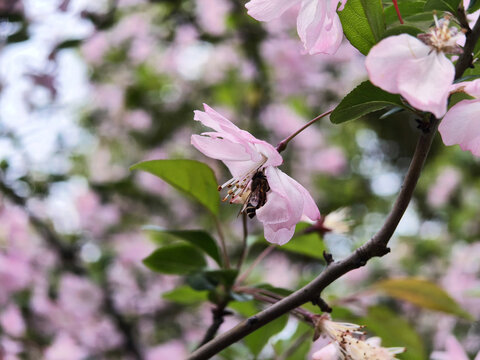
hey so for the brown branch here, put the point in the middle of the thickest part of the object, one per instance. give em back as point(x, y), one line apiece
point(375, 247)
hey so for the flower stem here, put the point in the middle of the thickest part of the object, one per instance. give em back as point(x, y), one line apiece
point(260, 257)
point(244, 242)
point(226, 261)
point(398, 11)
point(282, 145)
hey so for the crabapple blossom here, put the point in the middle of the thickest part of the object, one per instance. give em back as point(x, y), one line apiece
point(349, 342)
point(417, 68)
point(318, 24)
point(287, 201)
point(460, 124)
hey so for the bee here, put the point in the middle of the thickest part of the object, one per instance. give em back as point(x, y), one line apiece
point(258, 194)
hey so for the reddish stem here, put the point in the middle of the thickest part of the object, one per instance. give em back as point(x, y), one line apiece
point(398, 11)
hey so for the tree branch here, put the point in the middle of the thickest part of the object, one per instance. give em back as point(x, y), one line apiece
point(375, 247)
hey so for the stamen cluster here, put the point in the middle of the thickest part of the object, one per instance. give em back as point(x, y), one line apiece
point(351, 342)
point(442, 38)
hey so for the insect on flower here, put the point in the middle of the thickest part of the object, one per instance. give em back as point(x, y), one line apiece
point(258, 194)
point(265, 192)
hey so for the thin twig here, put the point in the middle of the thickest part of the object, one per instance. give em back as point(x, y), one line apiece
point(296, 344)
point(259, 258)
point(243, 255)
point(223, 246)
point(282, 145)
point(218, 315)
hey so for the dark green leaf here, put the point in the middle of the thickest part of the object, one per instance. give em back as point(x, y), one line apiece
point(456, 97)
point(363, 23)
point(305, 244)
point(199, 238)
point(395, 332)
point(258, 339)
point(442, 5)
point(473, 6)
point(364, 99)
point(185, 295)
point(209, 280)
point(402, 29)
point(176, 259)
point(422, 293)
point(190, 177)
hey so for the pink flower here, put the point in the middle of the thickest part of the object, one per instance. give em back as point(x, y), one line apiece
point(245, 156)
point(64, 347)
point(318, 24)
point(460, 124)
point(415, 68)
point(453, 350)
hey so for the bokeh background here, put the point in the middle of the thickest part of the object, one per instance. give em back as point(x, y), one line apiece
point(90, 87)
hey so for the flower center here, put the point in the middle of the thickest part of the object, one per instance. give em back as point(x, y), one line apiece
point(239, 186)
point(442, 38)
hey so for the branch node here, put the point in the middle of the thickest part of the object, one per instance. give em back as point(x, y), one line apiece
point(252, 320)
point(328, 257)
point(317, 300)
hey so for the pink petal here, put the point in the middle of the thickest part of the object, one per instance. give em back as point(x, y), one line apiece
point(310, 21)
point(266, 10)
point(425, 82)
point(385, 59)
point(328, 352)
point(220, 149)
point(330, 39)
point(461, 126)
point(287, 202)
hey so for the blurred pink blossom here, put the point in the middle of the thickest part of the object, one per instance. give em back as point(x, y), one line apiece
point(138, 120)
point(95, 48)
point(64, 347)
point(170, 350)
point(212, 14)
point(442, 189)
point(93, 215)
point(78, 296)
point(330, 161)
point(12, 321)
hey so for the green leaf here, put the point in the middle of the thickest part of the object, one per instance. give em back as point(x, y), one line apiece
point(185, 295)
point(305, 244)
point(363, 23)
point(395, 332)
point(458, 96)
point(442, 5)
point(189, 176)
point(179, 259)
point(402, 29)
point(364, 99)
point(422, 293)
point(258, 339)
point(209, 280)
point(473, 6)
point(198, 238)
